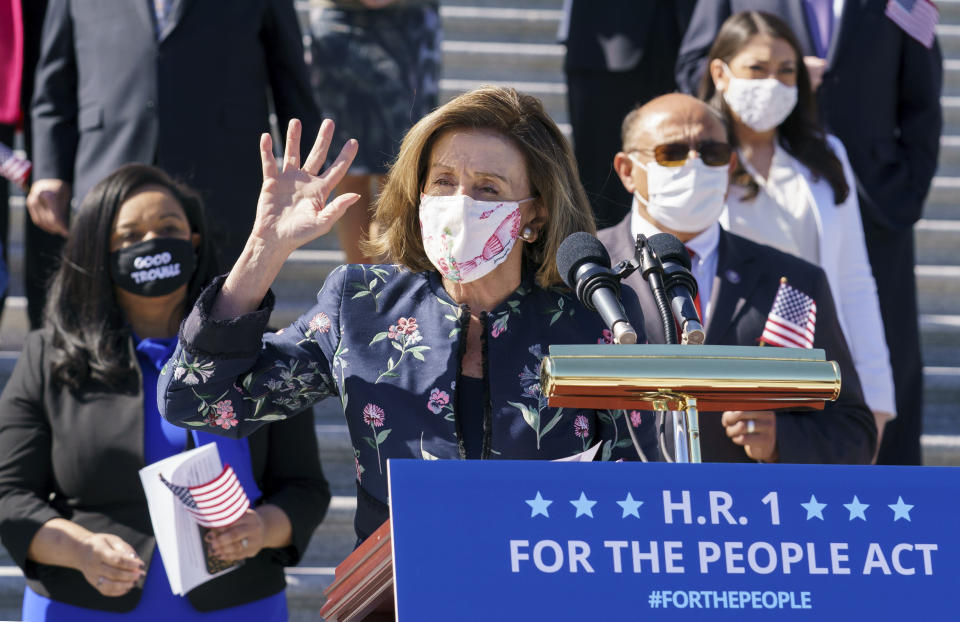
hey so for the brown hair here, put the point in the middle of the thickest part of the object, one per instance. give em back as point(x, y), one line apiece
point(800, 133)
point(551, 169)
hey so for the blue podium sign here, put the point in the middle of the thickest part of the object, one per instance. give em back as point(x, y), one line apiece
point(576, 541)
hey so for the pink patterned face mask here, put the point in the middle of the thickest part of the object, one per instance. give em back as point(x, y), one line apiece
point(466, 239)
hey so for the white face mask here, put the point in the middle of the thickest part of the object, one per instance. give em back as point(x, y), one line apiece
point(686, 198)
point(761, 104)
point(466, 239)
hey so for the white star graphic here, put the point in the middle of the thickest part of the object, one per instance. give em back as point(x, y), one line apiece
point(900, 509)
point(583, 505)
point(856, 508)
point(538, 505)
point(630, 506)
point(813, 508)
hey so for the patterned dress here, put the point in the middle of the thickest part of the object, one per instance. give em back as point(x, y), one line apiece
point(388, 344)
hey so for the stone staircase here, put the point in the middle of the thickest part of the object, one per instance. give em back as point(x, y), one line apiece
point(513, 42)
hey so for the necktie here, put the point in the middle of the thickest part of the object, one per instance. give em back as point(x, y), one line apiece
point(161, 8)
point(820, 20)
point(696, 300)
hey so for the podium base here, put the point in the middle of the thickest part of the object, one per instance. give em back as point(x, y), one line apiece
point(362, 589)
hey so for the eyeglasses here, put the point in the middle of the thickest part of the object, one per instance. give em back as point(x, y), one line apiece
point(675, 154)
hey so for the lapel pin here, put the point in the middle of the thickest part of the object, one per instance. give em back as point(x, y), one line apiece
point(733, 277)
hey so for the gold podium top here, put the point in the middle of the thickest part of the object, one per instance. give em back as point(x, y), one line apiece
point(719, 377)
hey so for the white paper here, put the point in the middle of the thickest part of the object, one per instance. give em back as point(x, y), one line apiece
point(176, 531)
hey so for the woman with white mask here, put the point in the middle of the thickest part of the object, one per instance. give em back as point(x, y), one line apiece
point(436, 355)
point(793, 187)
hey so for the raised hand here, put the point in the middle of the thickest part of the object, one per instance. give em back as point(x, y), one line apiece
point(292, 209)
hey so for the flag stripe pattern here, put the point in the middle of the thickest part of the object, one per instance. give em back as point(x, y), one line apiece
point(792, 321)
point(218, 503)
point(13, 167)
point(917, 18)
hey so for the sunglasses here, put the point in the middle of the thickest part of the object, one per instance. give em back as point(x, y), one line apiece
point(675, 154)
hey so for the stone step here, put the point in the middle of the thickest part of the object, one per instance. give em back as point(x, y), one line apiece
point(500, 23)
point(552, 94)
point(938, 289)
point(503, 61)
point(951, 106)
point(949, 37)
point(949, 11)
point(949, 161)
point(937, 242)
point(940, 340)
point(951, 80)
point(942, 200)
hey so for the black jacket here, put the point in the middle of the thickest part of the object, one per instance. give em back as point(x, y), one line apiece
point(64, 455)
point(194, 102)
point(747, 279)
point(614, 36)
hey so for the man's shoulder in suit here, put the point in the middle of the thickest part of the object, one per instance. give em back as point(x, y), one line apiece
point(773, 260)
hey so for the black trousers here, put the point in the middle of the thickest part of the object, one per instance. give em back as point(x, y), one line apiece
point(892, 258)
point(598, 101)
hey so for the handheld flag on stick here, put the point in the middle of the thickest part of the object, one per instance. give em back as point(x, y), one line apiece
point(218, 503)
point(792, 321)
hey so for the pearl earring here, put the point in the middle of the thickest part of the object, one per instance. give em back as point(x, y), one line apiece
point(527, 234)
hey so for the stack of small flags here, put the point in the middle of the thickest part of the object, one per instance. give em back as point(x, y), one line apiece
point(13, 167)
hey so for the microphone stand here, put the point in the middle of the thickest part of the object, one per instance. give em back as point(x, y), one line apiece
point(652, 271)
point(621, 271)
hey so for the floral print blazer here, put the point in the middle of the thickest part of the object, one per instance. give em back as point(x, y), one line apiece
point(388, 344)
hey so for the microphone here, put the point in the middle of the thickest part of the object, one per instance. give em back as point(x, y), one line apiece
point(584, 266)
point(680, 285)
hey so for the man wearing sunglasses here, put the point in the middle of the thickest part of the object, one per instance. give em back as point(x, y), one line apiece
point(676, 161)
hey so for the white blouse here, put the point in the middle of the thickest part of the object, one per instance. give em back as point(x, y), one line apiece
point(798, 215)
point(782, 215)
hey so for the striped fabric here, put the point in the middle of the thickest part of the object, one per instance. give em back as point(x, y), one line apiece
point(792, 321)
point(218, 503)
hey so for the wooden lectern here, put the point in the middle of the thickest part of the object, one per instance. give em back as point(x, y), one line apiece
point(362, 588)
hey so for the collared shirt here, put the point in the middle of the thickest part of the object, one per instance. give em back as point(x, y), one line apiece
point(704, 262)
point(782, 214)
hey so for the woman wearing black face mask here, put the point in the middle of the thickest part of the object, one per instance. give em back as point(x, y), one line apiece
point(78, 419)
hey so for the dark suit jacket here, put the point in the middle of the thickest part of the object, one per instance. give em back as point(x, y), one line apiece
point(748, 276)
point(880, 95)
point(194, 102)
point(78, 457)
point(615, 36)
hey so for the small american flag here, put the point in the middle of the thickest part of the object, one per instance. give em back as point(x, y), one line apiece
point(792, 320)
point(218, 503)
point(13, 167)
point(917, 18)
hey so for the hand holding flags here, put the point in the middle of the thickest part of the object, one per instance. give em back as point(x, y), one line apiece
point(792, 321)
point(218, 503)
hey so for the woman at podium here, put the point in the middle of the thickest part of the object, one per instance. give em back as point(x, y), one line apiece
point(435, 354)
